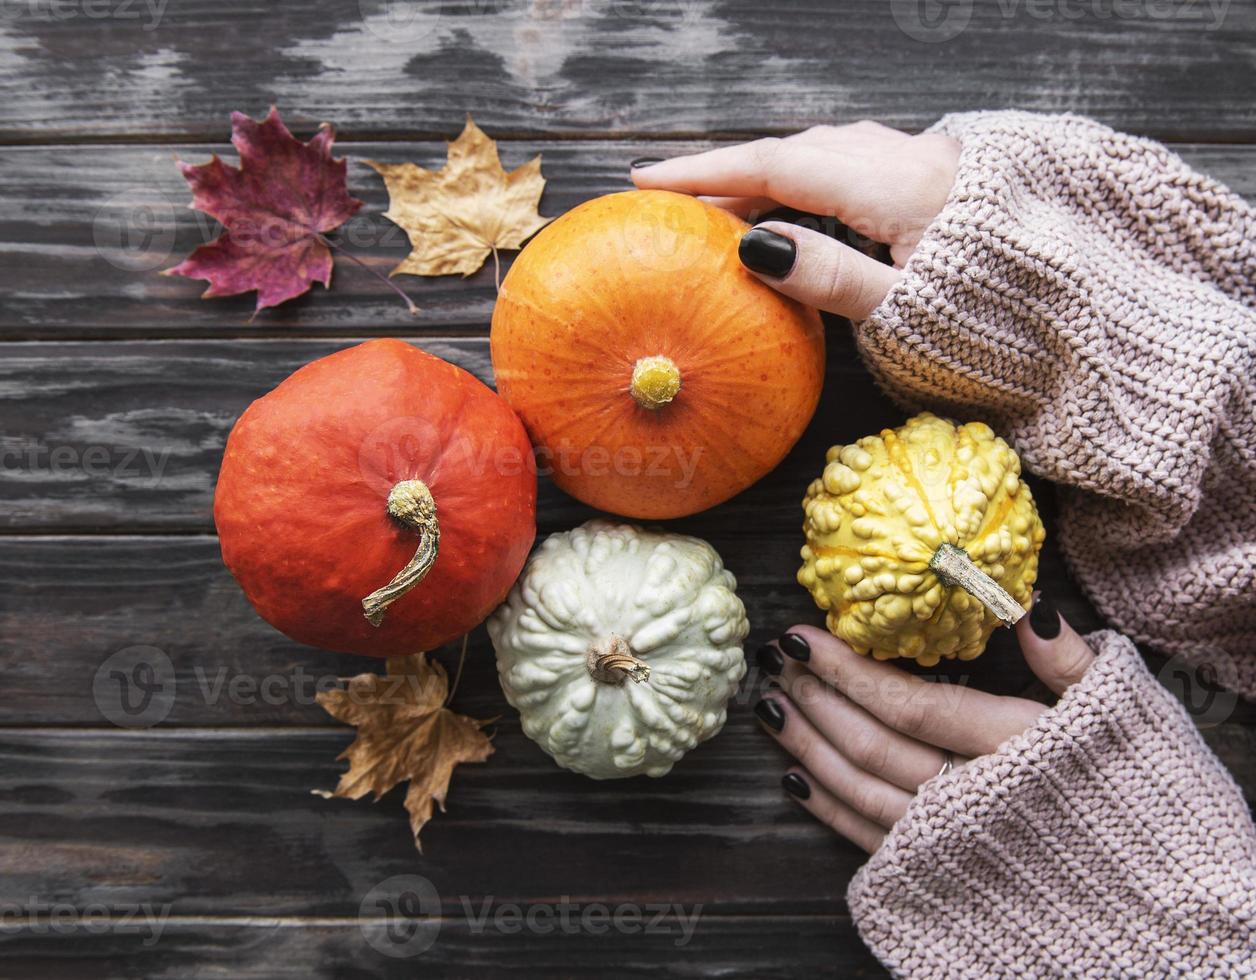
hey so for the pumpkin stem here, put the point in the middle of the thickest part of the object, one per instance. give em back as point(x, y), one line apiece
point(953, 566)
point(611, 661)
point(655, 381)
point(411, 504)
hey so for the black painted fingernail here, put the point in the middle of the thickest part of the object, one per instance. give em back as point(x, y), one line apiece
point(795, 646)
point(1044, 619)
point(642, 162)
point(770, 660)
point(767, 252)
point(795, 785)
point(770, 713)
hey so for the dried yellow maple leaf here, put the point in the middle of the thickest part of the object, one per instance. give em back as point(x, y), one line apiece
point(404, 732)
point(457, 216)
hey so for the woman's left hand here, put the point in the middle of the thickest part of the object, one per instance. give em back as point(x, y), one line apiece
point(867, 735)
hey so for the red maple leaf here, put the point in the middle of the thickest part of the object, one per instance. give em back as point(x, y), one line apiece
point(274, 211)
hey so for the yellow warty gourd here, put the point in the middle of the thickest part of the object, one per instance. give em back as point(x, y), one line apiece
point(883, 525)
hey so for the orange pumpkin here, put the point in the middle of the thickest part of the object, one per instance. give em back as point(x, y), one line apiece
point(656, 376)
point(379, 501)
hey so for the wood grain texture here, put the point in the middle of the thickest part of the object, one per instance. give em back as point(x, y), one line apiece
point(108, 453)
point(766, 948)
point(84, 233)
point(67, 605)
point(576, 67)
point(222, 823)
point(129, 436)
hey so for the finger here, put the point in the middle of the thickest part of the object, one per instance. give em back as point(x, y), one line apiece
point(747, 208)
point(867, 742)
point(866, 794)
point(865, 136)
point(800, 174)
point(1052, 648)
point(860, 137)
point(854, 137)
point(951, 716)
point(832, 812)
point(816, 270)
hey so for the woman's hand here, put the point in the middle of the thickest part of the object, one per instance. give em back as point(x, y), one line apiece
point(883, 184)
point(867, 735)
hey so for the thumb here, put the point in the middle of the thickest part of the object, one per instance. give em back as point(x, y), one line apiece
point(1055, 652)
point(816, 270)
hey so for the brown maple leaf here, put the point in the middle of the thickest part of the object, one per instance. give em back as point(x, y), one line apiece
point(457, 216)
point(405, 732)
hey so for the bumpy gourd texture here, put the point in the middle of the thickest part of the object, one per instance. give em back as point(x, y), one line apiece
point(881, 509)
point(673, 601)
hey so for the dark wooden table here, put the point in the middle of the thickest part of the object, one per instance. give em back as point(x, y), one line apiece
point(118, 388)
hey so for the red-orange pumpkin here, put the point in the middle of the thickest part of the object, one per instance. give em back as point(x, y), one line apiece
point(656, 376)
point(328, 487)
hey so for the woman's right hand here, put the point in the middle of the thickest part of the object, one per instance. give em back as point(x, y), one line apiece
point(883, 184)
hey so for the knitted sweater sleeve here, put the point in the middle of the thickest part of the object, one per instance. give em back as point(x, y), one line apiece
point(1094, 300)
point(1106, 841)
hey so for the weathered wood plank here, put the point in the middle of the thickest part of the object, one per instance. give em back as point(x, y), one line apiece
point(129, 436)
point(764, 947)
point(85, 231)
point(71, 608)
point(157, 69)
point(222, 665)
point(217, 823)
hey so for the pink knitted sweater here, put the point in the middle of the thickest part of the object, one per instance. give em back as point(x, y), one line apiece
point(1094, 300)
